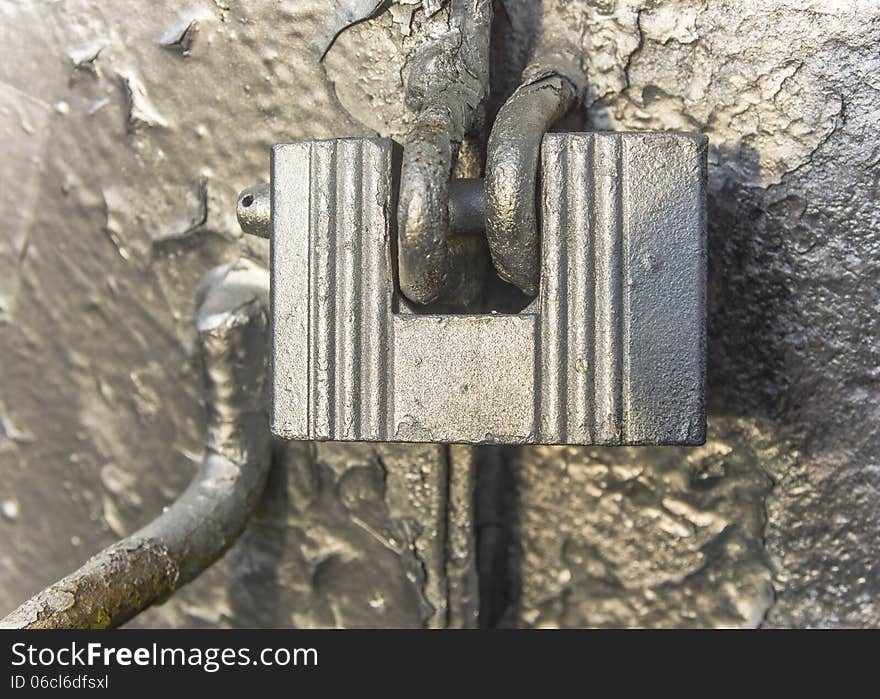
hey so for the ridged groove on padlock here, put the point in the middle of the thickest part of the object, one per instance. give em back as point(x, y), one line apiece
point(346, 195)
point(600, 381)
point(581, 366)
point(350, 318)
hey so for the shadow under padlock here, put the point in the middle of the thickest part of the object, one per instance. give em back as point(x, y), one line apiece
point(612, 351)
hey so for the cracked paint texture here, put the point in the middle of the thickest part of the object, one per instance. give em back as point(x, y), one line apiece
point(787, 94)
point(128, 136)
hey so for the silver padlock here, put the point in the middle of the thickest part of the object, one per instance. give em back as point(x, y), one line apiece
point(612, 351)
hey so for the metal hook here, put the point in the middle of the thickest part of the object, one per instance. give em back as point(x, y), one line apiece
point(448, 81)
point(511, 175)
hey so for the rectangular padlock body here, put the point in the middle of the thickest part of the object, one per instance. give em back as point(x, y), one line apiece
point(612, 351)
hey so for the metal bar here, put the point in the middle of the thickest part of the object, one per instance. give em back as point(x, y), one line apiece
point(466, 209)
point(145, 568)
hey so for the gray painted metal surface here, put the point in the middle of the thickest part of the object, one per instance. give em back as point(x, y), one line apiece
point(775, 521)
point(147, 567)
point(611, 352)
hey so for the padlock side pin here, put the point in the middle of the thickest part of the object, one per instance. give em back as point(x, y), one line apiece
point(254, 210)
point(467, 209)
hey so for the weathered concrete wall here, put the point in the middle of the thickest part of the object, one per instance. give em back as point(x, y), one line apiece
point(129, 129)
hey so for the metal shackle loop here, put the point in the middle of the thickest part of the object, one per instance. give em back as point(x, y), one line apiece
point(446, 86)
point(512, 159)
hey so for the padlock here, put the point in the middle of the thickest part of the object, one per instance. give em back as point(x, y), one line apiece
point(611, 351)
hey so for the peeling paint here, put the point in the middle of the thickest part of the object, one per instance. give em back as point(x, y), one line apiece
point(141, 113)
point(775, 521)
